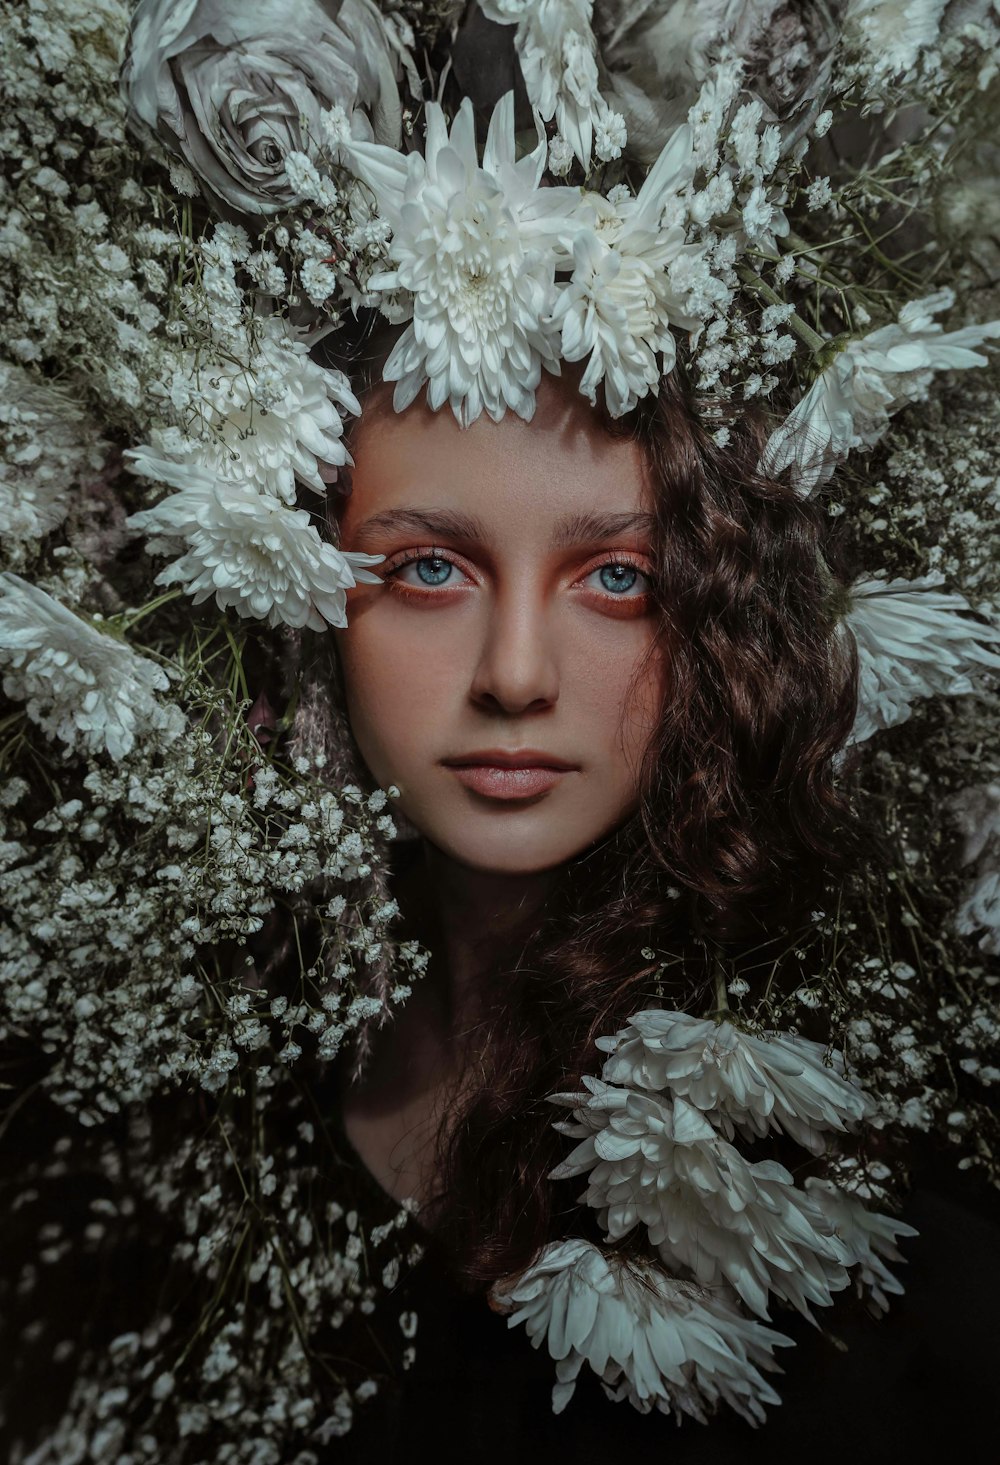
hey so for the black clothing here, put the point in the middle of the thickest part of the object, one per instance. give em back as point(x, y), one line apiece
point(916, 1385)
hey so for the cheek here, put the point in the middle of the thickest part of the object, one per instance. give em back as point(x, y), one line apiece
point(619, 692)
point(396, 693)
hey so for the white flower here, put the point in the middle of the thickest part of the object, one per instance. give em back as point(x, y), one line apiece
point(656, 1341)
point(557, 52)
point(979, 911)
point(619, 305)
point(78, 684)
point(611, 135)
point(976, 810)
point(704, 1206)
point(819, 193)
point(913, 640)
point(477, 247)
point(892, 33)
point(742, 1083)
point(49, 446)
point(560, 156)
point(850, 403)
point(869, 1236)
point(319, 280)
point(308, 182)
point(250, 550)
point(233, 89)
point(271, 420)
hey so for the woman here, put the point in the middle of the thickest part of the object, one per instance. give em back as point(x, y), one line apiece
point(599, 667)
point(628, 597)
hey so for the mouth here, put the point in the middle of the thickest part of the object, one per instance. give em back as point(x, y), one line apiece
point(496, 774)
point(495, 782)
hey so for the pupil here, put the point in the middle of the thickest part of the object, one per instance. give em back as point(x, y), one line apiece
point(438, 574)
point(623, 576)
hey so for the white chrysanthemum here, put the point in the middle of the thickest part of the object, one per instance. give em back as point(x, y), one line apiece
point(47, 443)
point(705, 1207)
point(869, 1236)
point(892, 33)
point(271, 420)
point(850, 403)
point(742, 1083)
point(78, 683)
point(557, 51)
point(913, 640)
point(976, 811)
point(619, 305)
point(252, 552)
point(978, 913)
point(656, 1341)
point(477, 247)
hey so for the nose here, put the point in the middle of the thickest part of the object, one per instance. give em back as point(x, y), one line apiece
point(517, 667)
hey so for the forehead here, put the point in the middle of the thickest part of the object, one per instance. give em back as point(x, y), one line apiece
point(513, 475)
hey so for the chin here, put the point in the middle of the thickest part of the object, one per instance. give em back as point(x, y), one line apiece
point(507, 852)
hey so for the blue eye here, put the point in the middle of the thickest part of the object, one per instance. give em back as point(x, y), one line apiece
point(438, 571)
point(618, 578)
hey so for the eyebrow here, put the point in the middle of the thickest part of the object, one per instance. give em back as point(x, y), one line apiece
point(449, 524)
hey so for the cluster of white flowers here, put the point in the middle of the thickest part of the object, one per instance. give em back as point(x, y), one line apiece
point(110, 918)
point(270, 1234)
point(557, 52)
point(51, 450)
point(889, 45)
point(870, 379)
point(656, 1341)
point(687, 198)
point(77, 682)
point(914, 640)
point(657, 1134)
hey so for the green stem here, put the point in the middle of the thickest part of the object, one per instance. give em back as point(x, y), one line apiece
point(134, 617)
point(721, 995)
point(812, 339)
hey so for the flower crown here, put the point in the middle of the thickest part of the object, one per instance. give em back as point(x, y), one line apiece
point(624, 232)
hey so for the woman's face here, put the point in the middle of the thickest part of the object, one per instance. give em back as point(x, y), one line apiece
point(514, 612)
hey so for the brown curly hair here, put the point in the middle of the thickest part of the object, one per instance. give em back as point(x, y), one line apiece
point(742, 819)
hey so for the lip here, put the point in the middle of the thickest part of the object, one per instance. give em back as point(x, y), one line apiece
point(505, 758)
point(502, 773)
point(495, 781)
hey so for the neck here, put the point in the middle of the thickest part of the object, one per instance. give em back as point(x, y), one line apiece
point(465, 917)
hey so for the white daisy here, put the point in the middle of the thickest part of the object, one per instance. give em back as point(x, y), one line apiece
point(742, 1083)
point(619, 305)
point(913, 640)
point(849, 405)
point(477, 247)
point(704, 1206)
point(78, 683)
point(656, 1341)
point(269, 421)
point(254, 553)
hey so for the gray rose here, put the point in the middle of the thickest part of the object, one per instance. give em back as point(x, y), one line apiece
point(232, 88)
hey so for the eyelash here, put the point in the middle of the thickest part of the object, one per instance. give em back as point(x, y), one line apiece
point(390, 576)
